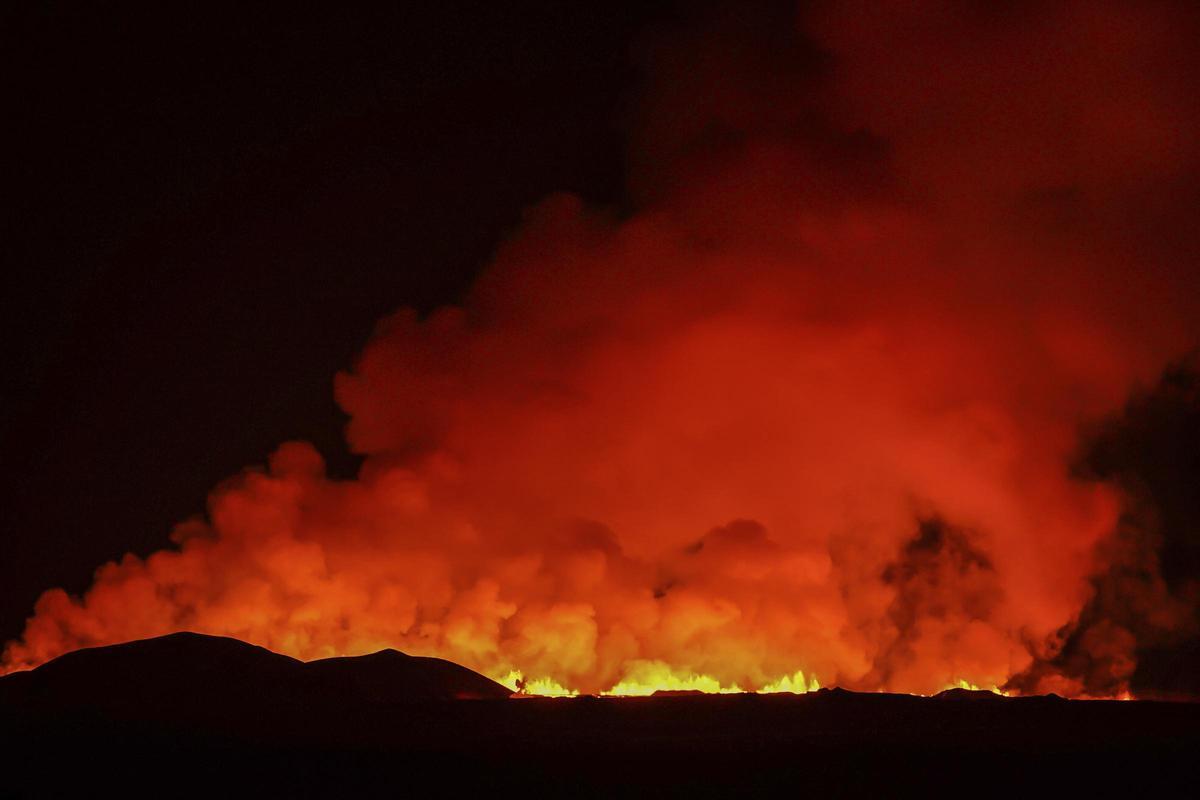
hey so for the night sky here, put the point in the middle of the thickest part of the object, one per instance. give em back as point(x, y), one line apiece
point(212, 209)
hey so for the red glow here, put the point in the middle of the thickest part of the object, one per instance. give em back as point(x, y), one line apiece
point(705, 438)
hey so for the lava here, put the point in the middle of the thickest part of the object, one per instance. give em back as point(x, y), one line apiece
point(644, 679)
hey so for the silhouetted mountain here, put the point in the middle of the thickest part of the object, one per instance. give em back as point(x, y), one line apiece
point(183, 675)
point(196, 678)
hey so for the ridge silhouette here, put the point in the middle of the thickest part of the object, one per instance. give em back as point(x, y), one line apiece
point(196, 678)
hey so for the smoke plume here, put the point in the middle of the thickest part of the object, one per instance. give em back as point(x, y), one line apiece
point(811, 403)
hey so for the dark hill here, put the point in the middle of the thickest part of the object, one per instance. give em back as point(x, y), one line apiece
point(181, 674)
point(196, 678)
point(390, 676)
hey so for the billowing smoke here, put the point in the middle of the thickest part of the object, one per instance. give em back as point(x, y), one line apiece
point(1142, 623)
point(813, 404)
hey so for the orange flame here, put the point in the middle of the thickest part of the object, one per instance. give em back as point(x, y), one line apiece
point(645, 678)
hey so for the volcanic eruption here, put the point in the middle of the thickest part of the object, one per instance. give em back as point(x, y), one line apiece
point(817, 407)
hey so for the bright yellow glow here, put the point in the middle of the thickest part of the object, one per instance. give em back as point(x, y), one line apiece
point(536, 687)
point(791, 684)
point(644, 678)
point(509, 681)
point(544, 687)
point(961, 684)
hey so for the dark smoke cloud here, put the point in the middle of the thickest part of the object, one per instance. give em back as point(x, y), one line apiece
point(944, 583)
point(1141, 628)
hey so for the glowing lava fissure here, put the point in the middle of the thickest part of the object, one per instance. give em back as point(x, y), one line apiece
point(656, 679)
point(813, 404)
point(648, 678)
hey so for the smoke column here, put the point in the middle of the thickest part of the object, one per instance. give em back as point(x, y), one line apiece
point(814, 404)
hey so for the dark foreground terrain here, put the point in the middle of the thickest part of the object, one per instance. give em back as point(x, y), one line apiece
point(195, 715)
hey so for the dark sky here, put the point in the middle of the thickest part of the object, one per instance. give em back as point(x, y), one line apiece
point(212, 209)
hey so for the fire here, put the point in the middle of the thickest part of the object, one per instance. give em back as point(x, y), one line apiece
point(645, 678)
point(792, 684)
point(810, 407)
point(961, 684)
point(537, 687)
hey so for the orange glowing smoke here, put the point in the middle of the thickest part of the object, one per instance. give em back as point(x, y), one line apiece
point(802, 419)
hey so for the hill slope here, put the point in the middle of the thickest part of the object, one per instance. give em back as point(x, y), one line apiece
point(194, 677)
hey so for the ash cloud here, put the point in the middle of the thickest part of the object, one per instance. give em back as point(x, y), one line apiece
point(881, 262)
point(945, 592)
point(1141, 628)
